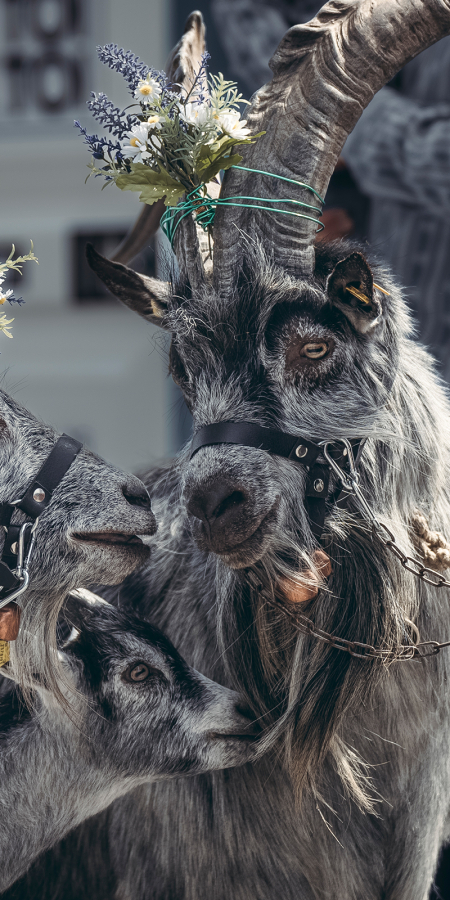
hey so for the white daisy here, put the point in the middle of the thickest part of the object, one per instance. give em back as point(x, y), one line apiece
point(147, 90)
point(231, 123)
point(135, 147)
point(5, 295)
point(196, 114)
point(154, 123)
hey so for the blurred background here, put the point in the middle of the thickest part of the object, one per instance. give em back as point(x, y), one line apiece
point(78, 359)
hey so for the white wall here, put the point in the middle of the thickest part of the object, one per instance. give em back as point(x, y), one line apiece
point(93, 371)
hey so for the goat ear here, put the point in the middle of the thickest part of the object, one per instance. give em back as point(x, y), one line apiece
point(350, 288)
point(79, 606)
point(146, 296)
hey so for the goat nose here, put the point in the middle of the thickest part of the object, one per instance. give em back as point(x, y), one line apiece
point(220, 502)
point(252, 724)
point(136, 495)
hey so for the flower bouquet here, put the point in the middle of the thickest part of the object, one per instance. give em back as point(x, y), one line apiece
point(174, 142)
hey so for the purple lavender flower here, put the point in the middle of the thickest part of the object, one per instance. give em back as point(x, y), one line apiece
point(199, 91)
point(125, 62)
point(116, 121)
point(13, 299)
point(98, 145)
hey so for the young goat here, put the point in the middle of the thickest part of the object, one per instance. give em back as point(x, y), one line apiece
point(86, 533)
point(145, 715)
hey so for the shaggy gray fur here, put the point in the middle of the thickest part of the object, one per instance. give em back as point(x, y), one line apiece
point(92, 497)
point(53, 775)
point(364, 746)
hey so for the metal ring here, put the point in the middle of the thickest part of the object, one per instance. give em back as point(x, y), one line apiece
point(20, 590)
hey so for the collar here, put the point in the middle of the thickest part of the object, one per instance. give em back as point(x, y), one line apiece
point(19, 539)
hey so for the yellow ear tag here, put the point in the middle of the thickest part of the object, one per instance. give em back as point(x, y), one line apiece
point(377, 286)
point(4, 652)
point(359, 295)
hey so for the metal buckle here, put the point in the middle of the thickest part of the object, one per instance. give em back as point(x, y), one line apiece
point(349, 481)
point(21, 570)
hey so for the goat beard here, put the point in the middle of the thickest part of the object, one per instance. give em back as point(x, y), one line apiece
point(306, 693)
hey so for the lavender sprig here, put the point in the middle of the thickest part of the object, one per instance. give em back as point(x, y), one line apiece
point(99, 145)
point(125, 62)
point(199, 90)
point(117, 121)
point(14, 299)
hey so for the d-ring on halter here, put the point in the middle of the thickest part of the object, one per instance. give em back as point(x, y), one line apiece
point(19, 541)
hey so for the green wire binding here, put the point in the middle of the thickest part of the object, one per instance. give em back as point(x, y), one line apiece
point(205, 207)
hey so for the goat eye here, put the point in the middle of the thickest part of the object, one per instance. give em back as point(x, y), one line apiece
point(302, 353)
point(315, 350)
point(138, 671)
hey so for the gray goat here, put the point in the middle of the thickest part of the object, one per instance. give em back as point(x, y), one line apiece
point(274, 338)
point(87, 533)
point(144, 714)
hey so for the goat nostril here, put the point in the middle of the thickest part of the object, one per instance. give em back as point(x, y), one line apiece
point(211, 504)
point(235, 499)
point(135, 498)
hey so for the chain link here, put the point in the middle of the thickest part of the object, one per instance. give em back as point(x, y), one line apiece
point(417, 649)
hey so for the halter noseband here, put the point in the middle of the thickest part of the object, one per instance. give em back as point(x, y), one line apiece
point(19, 539)
point(295, 448)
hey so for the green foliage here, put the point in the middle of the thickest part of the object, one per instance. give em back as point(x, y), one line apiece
point(17, 263)
point(153, 185)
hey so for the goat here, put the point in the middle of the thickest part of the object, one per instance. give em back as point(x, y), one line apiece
point(145, 716)
point(299, 339)
point(88, 532)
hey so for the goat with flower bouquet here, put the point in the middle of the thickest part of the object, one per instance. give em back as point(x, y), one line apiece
point(176, 141)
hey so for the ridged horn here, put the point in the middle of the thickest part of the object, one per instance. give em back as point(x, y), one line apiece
point(182, 64)
point(325, 74)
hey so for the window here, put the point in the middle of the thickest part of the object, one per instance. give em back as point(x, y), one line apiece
point(43, 56)
point(87, 286)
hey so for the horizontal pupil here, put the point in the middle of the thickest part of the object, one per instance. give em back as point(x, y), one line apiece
point(315, 349)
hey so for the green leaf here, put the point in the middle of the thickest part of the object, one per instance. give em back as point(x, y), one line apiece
point(223, 162)
point(151, 184)
point(211, 158)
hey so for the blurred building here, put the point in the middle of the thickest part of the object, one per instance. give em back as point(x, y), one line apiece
point(78, 359)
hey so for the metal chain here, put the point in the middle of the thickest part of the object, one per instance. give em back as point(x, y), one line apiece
point(356, 648)
point(417, 649)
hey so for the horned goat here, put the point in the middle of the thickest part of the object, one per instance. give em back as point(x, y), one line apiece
point(314, 345)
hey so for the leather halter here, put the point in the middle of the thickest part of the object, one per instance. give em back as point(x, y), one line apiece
point(19, 538)
point(292, 447)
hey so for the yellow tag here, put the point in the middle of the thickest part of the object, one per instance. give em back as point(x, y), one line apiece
point(4, 652)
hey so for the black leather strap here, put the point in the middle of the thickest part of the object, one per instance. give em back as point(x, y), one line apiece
point(249, 435)
point(296, 448)
point(50, 474)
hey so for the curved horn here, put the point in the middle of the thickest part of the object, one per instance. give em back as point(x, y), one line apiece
point(182, 64)
point(146, 225)
point(325, 74)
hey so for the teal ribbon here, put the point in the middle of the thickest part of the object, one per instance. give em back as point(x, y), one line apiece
point(204, 206)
